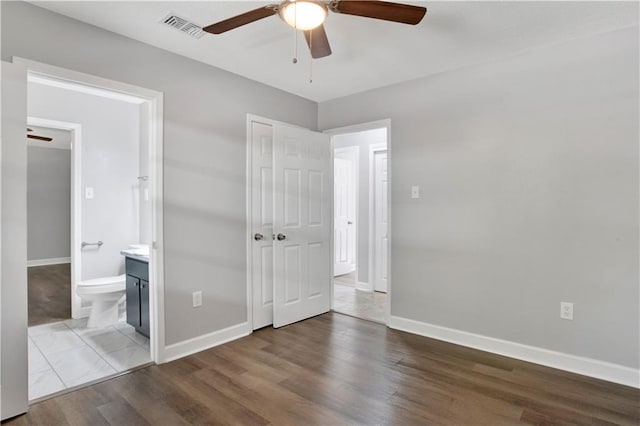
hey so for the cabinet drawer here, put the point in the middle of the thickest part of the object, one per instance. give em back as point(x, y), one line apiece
point(137, 268)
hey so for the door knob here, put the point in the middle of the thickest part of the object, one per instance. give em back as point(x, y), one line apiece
point(258, 236)
point(281, 237)
point(349, 222)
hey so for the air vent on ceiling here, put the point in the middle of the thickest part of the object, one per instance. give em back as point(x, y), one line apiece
point(183, 25)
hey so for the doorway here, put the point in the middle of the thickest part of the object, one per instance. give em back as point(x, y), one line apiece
point(48, 224)
point(16, 102)
point(105, 134)
point(361, 219)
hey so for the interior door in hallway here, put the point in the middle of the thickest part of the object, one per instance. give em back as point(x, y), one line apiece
point(381, 224)
point(344, 201)
point(302, 209)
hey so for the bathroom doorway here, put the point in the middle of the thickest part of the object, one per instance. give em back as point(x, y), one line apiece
point(48, 224)
point(361, 231)
point(108, 225)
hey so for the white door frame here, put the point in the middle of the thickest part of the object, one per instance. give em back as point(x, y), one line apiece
point(355, 151)
point(373, 149)
point(155, 100)
point(76, 206)
point(378, 124)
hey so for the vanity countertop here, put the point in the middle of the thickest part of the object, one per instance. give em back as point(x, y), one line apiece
point(136, 255)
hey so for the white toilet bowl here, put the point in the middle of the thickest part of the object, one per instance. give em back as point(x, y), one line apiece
point(104, 294)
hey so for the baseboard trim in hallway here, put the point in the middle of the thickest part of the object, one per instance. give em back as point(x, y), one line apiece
point(575, 364)
point(45, 262)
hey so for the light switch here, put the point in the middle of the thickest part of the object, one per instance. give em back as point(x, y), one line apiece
point(88, 193)
point(415, 191)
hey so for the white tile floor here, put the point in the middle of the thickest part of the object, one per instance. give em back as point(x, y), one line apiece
point(67, 354)
point(361, 304)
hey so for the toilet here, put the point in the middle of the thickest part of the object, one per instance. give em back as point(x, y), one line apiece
point(105, 295)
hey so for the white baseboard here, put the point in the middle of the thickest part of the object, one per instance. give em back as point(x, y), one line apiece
point(364, 286)
point(197, 344)
point(572, 363)
point(44, 262)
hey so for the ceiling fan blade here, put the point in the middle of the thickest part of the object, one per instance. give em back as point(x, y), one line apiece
point(396, 12)
point(318, 42)
point(40, 138)
point(240, 20)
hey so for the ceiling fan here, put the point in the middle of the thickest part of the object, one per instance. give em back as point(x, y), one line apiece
point(36, 137)
point(309, 16)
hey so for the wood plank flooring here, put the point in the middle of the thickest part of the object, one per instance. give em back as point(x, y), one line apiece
point(337, 370)
point(49, 293)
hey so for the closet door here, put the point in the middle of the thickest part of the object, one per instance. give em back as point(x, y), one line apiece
point(262, 223)
point(301, 223)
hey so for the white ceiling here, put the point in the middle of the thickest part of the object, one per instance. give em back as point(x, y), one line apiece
point(367, 53)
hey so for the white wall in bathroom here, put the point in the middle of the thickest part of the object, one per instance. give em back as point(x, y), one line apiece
point(110, 164)
point(144, 195)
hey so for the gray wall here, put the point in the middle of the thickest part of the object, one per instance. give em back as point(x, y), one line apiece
point(363, 140)
point(109, 164)
point(204, 147)
point(528, 169)
point(13, 261)
point(48, 203)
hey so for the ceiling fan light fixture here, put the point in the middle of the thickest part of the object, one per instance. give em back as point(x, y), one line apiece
point(303, 15)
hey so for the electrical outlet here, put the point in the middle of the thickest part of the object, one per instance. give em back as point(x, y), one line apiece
point(566, 310)
point(415, 191)
point(88, 193)
point(197, 298)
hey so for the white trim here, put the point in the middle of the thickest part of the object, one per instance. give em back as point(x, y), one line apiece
point(88, 90)
point(362, 286)
point(572, 363)
point(50, 261)
point(156, 183)
point(206, 341)
point(248, 218)
point(356, 128)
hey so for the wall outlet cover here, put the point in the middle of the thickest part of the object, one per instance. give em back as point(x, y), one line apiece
point(415, 191)
point(197, 298)
point(566, 310)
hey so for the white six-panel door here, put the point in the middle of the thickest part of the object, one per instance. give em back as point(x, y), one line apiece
point(302, 209)
point(344, 216)
point(262, 223)
point(381, 225)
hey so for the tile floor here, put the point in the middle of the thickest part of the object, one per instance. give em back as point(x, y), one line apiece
point(67, 354)
point(360, 304)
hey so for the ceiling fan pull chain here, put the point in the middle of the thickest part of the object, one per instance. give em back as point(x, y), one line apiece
point(310, 57)
point(295, 38)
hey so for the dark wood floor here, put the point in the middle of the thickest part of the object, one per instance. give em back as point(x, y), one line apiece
point(49, 293)
point(337, 370)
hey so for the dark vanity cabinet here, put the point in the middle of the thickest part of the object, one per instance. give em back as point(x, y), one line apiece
point(138, 294)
